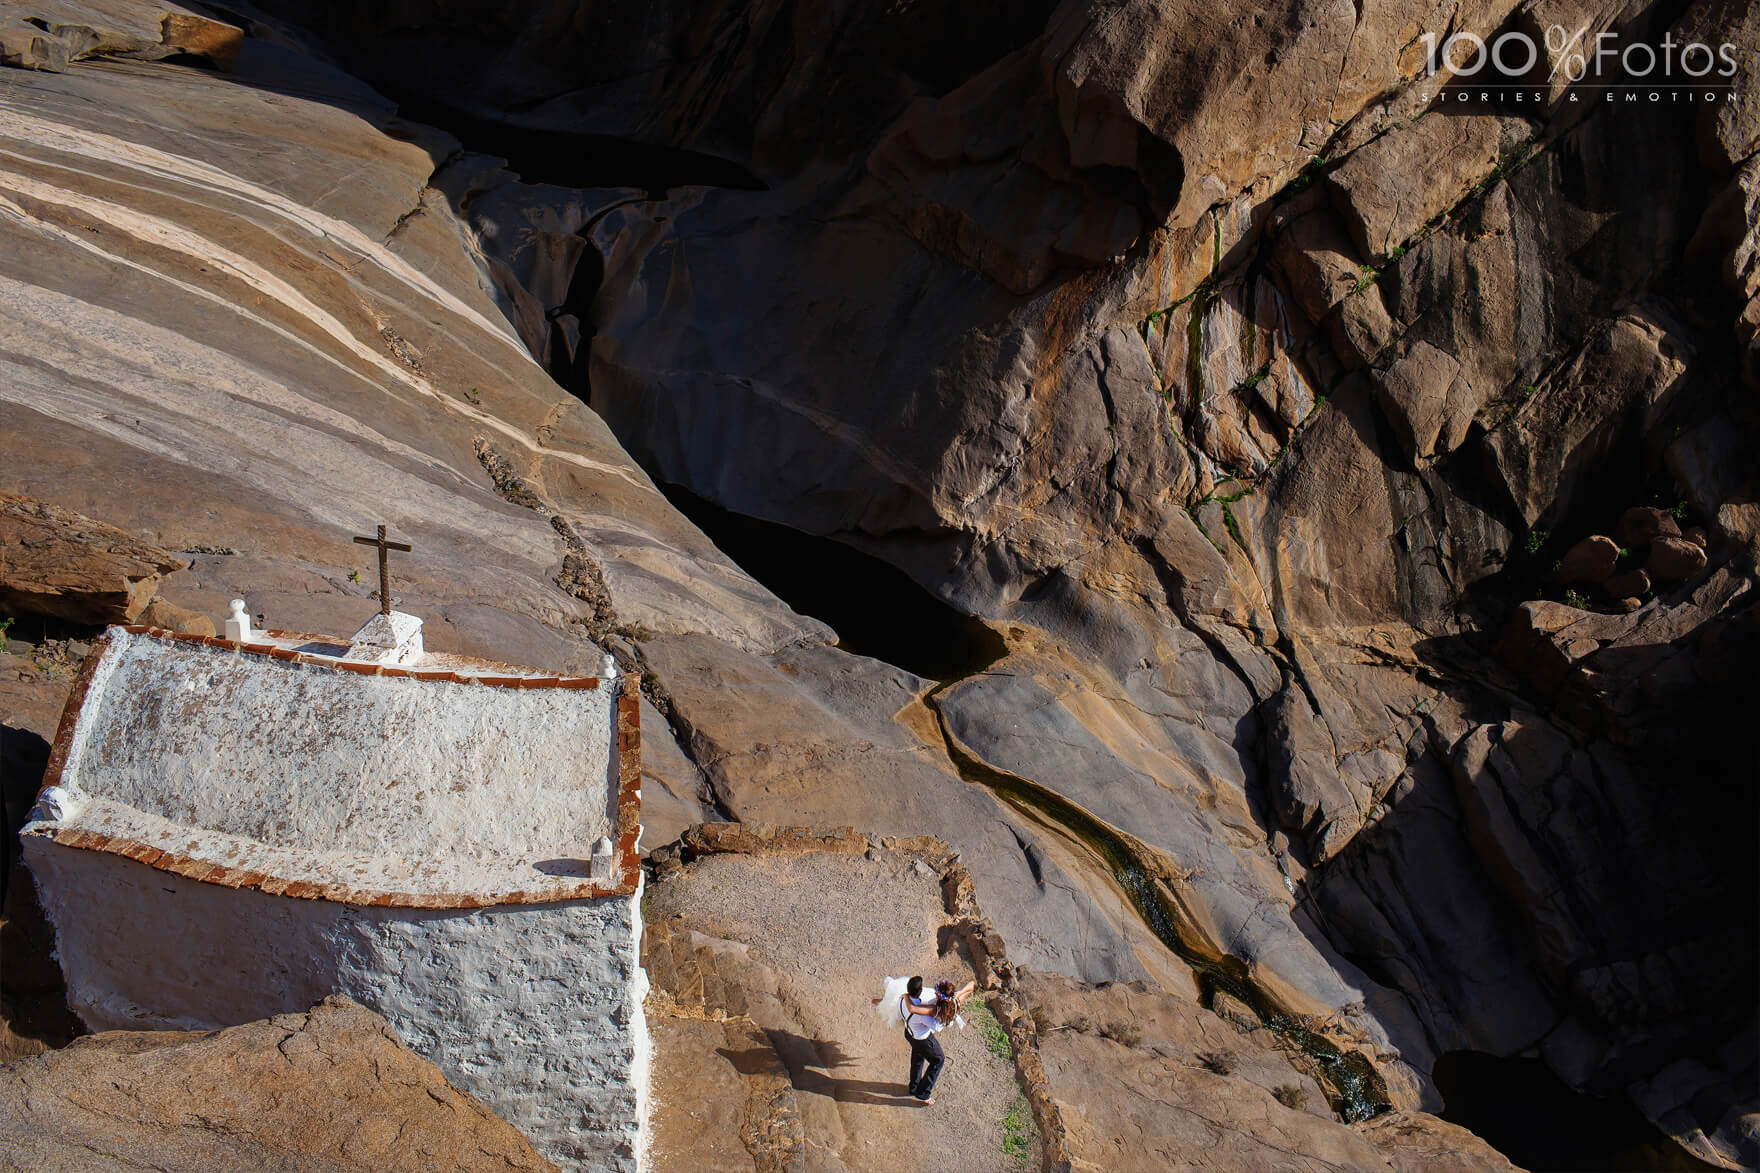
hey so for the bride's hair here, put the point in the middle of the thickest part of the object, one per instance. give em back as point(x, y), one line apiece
point(945, 1006)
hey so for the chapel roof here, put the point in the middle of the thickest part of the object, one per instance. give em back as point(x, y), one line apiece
point(277, 764)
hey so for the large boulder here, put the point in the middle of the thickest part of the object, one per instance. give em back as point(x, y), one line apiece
point(1561, 438)
point(1310, 795)
point(1674, 559)
point(432, 417)
point(1423, 397)
point(59, 563)
point(1389, 189)
point(332, 1089)
point(1729, 130)
point(1589, 561)
point(1640, 524)
point(52, 35)
point(1646, 972)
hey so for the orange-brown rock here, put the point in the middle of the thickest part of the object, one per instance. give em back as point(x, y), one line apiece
point(1639, 524)
point(995, 293)
point(160, 613)
point(1387, 190)
point(1674, 559)
point(1150, 1080)
point(1627, 584)
point(56, 562)
point(51, 36)
point(1626, 372)
point(1589, 561)
point(331, 1090)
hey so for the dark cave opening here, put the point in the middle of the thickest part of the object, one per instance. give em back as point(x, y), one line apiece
point(578, 159)
point(1524, 1111)
point(876, 609)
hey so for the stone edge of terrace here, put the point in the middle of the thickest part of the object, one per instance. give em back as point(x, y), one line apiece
point(627, 740)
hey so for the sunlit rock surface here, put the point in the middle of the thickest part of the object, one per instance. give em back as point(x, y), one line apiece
point(1251, 449)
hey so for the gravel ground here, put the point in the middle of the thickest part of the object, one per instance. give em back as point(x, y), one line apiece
point(835, 926)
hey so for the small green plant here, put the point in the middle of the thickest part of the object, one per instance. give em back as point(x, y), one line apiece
point(1313, 169)
point(1396, 252)
point(1192, 512)
point(1017, 1132)
point(1679, 511)
point(6, 626)
point(1233, 527)
point(1257, 377)
point(1290, 1095)
point(354, 576)
point(995, 1038)
point(1536, 539)
point(1576, 598)
point(474, 397)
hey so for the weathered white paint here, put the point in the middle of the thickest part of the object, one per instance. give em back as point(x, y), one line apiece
point(474, 793)
point(318, 775)
point(535, 1009)
point(388, 639)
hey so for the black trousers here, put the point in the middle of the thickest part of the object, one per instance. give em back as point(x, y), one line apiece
point(926, 1061)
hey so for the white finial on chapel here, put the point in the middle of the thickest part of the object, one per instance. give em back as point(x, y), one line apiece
point(238, 623)
point(600, 866)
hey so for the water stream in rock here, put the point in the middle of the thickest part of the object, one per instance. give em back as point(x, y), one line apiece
point(1353, 1087)
point(879, 611)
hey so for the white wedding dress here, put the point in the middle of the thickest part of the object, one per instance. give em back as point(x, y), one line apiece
point(891, 1004)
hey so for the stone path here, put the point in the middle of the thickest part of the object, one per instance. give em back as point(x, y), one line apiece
point(769, 1055)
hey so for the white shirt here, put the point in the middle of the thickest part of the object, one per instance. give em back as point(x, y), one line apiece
point(921, 1026)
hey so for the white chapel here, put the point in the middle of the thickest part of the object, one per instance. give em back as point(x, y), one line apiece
point(232, 828)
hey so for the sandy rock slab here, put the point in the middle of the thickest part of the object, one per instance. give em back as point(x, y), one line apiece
point(1148, 1081)
point(329, 1090)
point(768, 1051)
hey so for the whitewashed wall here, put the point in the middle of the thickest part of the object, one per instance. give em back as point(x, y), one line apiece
point(366, 767)
point(534, 1009)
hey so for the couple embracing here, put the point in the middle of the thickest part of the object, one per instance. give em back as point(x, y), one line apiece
point(924, 1014)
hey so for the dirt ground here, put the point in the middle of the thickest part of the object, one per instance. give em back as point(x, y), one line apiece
point(831, 927)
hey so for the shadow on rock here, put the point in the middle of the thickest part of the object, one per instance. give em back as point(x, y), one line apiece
point(793, 1047)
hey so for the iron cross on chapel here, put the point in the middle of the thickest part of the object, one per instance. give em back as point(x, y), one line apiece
point(385, 549)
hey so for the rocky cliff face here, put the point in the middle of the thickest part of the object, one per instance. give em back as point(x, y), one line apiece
point(1246, 378)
